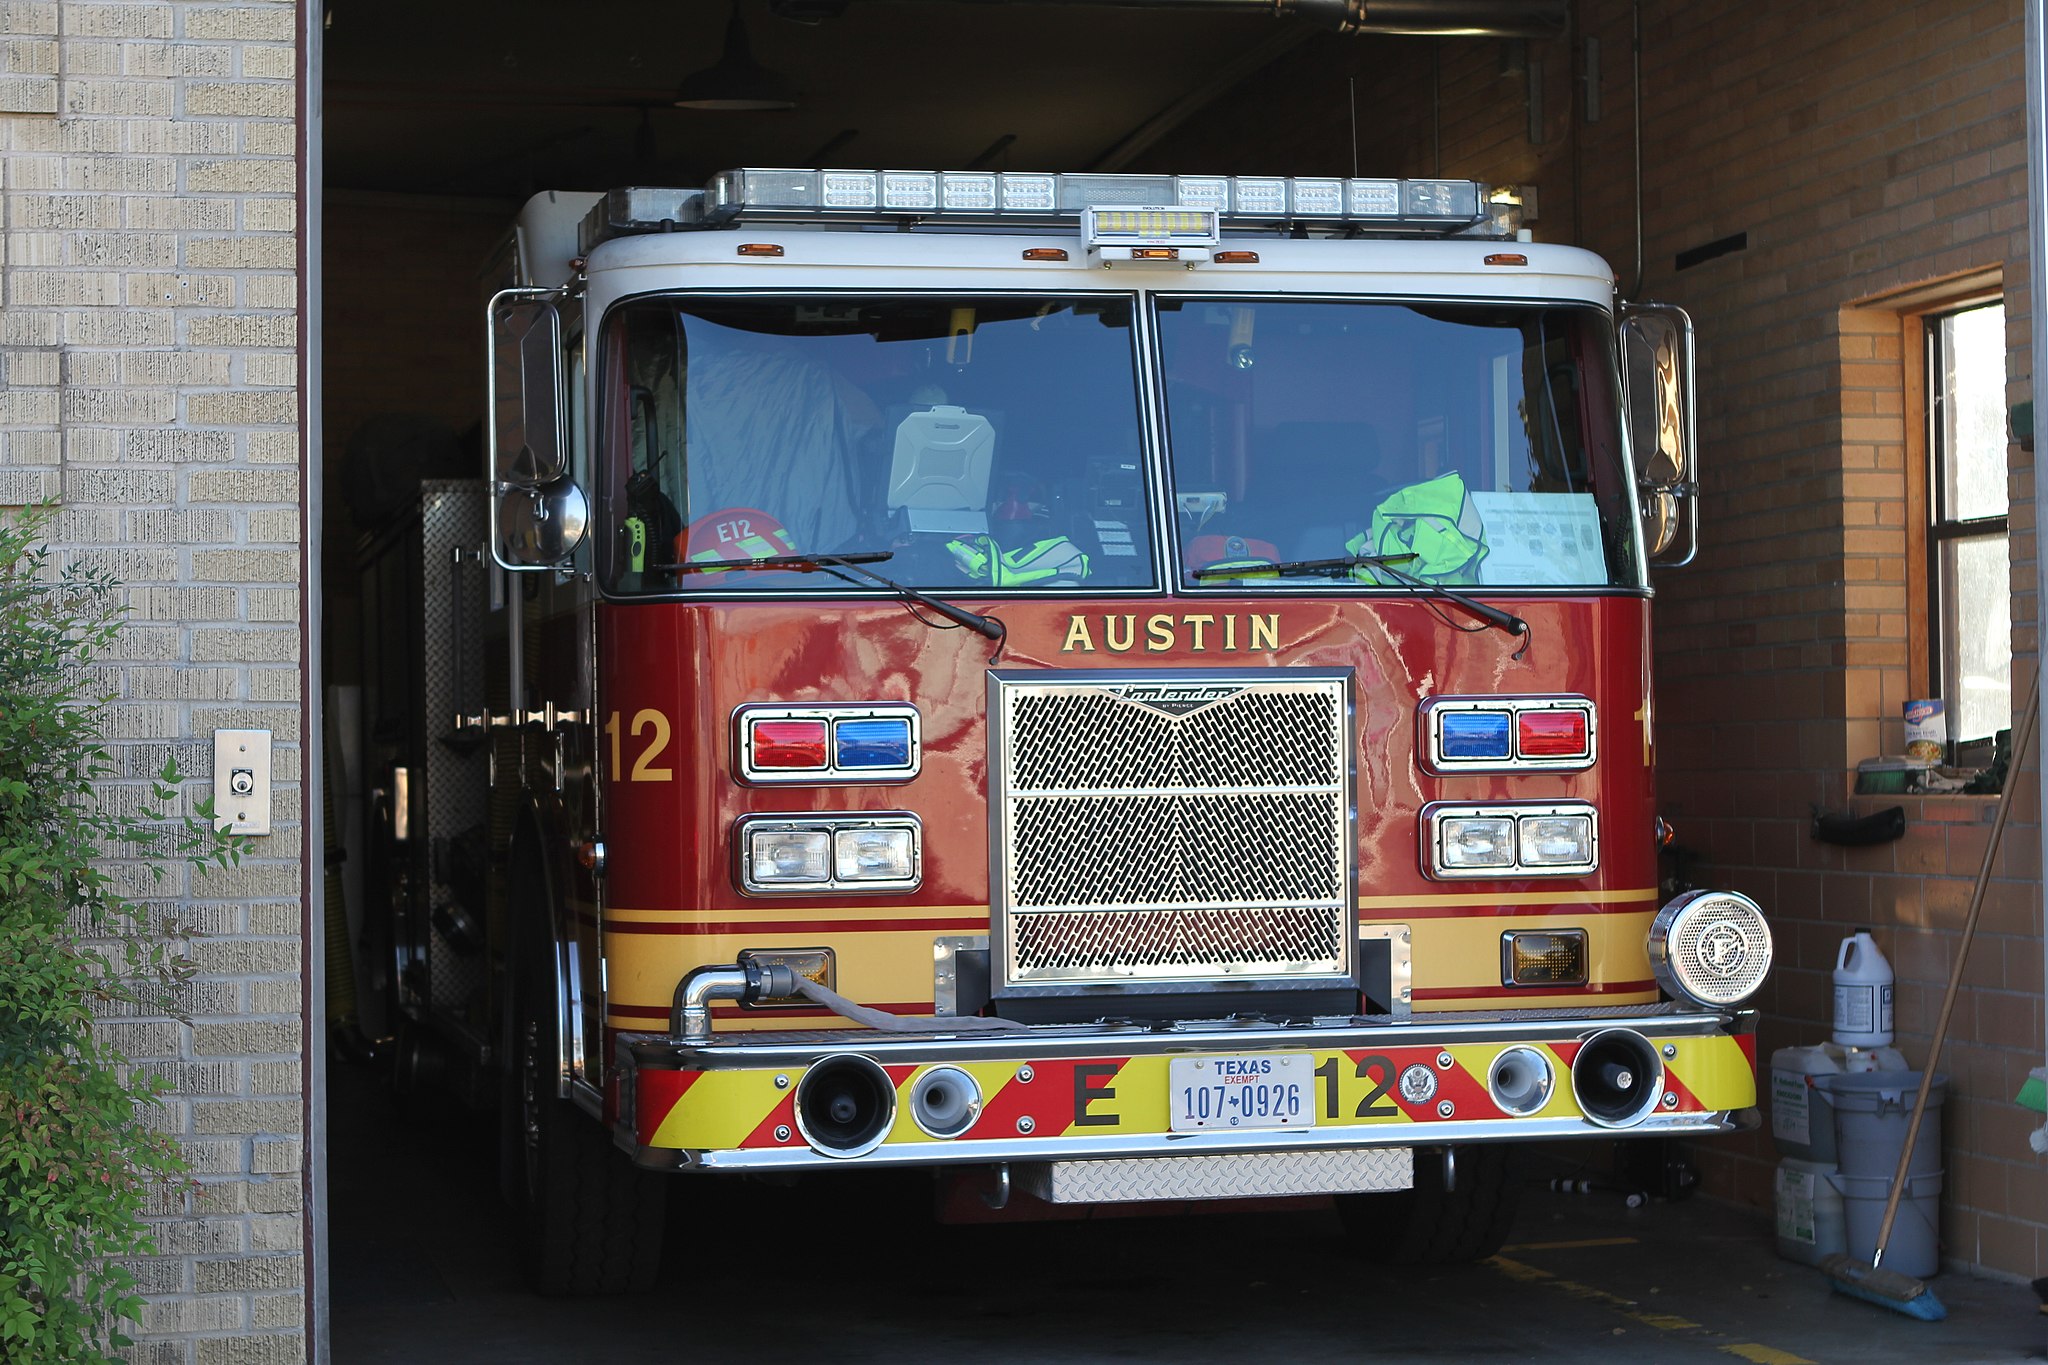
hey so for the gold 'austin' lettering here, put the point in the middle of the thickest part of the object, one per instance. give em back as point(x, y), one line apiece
point(1163, 632)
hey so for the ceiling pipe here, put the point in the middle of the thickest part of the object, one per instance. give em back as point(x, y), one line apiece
point(1414, 18)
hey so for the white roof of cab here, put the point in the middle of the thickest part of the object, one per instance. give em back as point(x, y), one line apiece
point(833, 260)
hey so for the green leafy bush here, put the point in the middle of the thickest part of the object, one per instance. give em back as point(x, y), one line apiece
point(79, 1158)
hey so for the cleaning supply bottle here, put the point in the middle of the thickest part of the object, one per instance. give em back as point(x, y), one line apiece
point(1863, 993)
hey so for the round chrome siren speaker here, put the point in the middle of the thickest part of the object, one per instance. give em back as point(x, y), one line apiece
point(945, 1101)
point(1520, 1080)
point(1617, 1078)
point(844, 1106)
point(1711, 948)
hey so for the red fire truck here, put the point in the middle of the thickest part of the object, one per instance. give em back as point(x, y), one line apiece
point(1105, 687)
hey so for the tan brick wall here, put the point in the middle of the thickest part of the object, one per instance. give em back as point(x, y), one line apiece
point(1865, 149)
point(149, 377)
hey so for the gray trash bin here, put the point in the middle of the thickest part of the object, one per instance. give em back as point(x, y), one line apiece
point(1872, 1111)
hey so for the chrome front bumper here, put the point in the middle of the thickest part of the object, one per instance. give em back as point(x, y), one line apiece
point(1091, 1092)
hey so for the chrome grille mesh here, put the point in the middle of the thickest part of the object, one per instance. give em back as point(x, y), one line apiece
point(1162, 827)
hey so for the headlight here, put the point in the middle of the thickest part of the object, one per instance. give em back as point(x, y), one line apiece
point(874, 855)
point(1710, 947)
point(1527, 839)
point(1557, 840)
point(788, 856)
point(1476, 841)
point(851, 853)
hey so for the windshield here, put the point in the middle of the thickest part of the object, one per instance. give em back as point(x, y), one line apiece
point(1479, 443)
point(983, 443)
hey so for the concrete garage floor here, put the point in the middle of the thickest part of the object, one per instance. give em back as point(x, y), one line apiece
point(422, 1272)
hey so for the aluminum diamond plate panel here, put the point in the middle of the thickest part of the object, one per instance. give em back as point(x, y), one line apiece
point(1233, 1176)
point(452, 529)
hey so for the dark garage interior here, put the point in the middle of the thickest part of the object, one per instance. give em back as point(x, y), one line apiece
point(1859, 161)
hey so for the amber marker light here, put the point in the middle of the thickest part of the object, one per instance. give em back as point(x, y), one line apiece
point(1237, 258)
point(1045, 253)
point(760, 249)
point(1507, 258)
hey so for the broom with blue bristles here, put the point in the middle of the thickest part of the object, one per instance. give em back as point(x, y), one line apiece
point(1873, 1283)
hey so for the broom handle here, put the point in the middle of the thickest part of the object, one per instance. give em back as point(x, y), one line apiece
point(2022, 736)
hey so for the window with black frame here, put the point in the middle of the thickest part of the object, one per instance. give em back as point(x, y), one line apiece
point(959, 442)
point(1969, 587)
point(1466, 442)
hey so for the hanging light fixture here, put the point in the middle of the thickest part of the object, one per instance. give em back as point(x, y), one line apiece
point(735, 82)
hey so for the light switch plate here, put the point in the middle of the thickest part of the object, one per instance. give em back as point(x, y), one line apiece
point(241, 781)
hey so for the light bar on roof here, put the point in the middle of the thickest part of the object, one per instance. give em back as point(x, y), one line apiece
point(1016, 197)
point(1144, 236)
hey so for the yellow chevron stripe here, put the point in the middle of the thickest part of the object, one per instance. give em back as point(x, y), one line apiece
point(721, 1109)
point(724, 1107)
point(1715, 1070)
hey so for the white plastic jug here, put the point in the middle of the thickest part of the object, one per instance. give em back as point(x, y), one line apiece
point(1863, 993)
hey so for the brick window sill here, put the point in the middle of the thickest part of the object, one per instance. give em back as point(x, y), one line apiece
point(1928, 807)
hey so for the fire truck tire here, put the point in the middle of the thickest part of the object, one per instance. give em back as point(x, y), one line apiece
point(590, 1221)
point(1429, 1225)
point(594, 1223)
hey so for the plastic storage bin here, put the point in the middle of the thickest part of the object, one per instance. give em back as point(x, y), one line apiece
point(1811, 1224)
point(1872, 1111)
point(1802, 1125)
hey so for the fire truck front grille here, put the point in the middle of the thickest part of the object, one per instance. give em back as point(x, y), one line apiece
point(1171, 827)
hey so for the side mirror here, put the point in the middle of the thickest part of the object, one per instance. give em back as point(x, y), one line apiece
point(539, 527)
point(526, 390)
point(1657, 370)
point(538, 514)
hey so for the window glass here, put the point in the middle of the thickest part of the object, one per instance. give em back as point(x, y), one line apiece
point(1976, 580)
point(1970, 664)
point(1471, 443)
point(979, 442)
point(1972, 347)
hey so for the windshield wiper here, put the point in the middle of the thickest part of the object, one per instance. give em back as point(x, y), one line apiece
point(1298, 568)
point(1493, 616)
point(838, 565)
point(1304, 568)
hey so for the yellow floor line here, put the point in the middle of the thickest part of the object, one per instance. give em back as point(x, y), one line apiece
point(1765, 1355)
point(1573, 1246)
point(1629, 1308)
point(1515, 1270)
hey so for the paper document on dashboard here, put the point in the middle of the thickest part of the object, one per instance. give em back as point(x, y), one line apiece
point(1539, 539)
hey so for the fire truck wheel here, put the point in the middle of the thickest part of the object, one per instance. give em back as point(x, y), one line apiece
point(1429, 1225)
point(590, 1221)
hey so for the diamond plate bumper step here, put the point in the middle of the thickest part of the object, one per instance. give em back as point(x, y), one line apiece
point(1246, 1175)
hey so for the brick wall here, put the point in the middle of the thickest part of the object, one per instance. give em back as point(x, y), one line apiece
point(1867, 150)
point(149, 375)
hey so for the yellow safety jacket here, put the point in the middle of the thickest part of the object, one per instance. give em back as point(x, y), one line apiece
point(1042, 561)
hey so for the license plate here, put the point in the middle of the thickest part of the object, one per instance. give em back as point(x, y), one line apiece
point(1208, 1093)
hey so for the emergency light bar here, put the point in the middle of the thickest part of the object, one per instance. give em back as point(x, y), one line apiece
point(1140, 236)
point(1015, 199)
